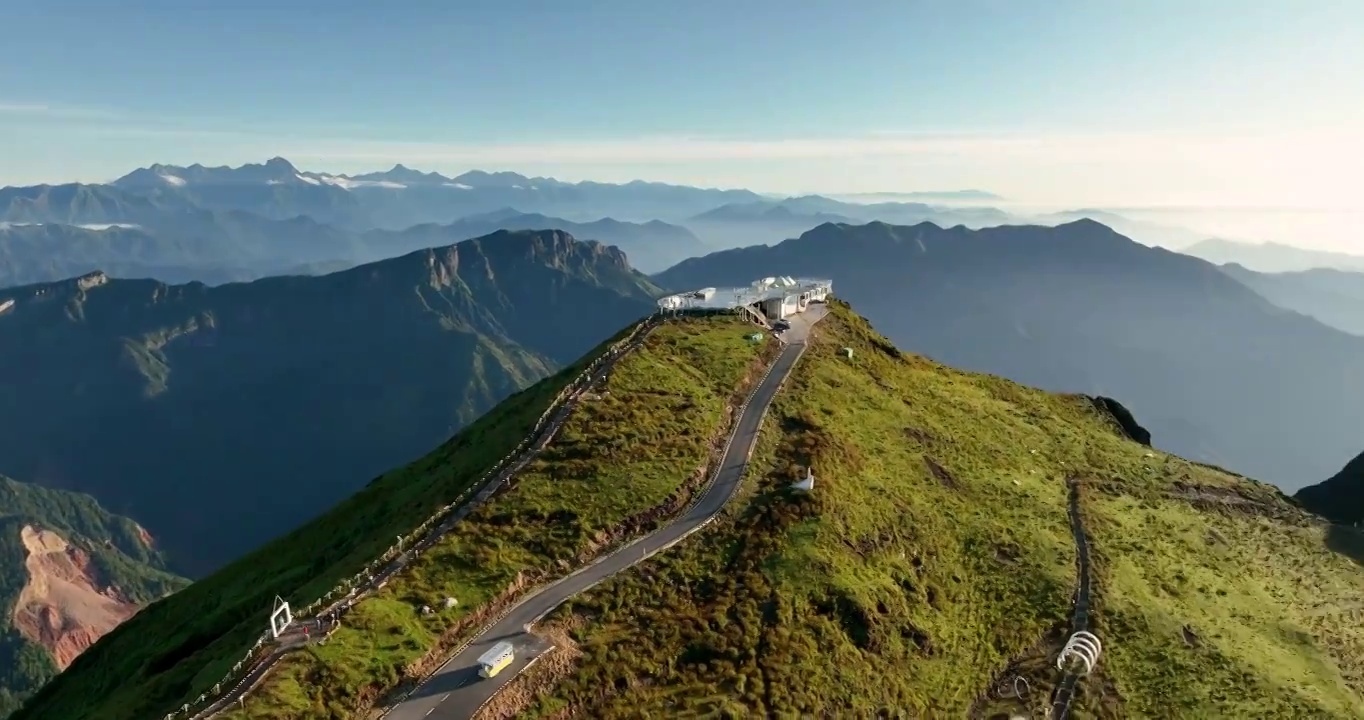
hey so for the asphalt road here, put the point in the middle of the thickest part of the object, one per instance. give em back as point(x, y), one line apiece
point(456, 692)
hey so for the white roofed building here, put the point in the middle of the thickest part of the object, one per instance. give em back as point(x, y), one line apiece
point(773, 297)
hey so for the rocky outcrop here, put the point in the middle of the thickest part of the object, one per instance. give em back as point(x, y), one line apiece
point(1124, 418)
point(65, 606)
point(1339, 498)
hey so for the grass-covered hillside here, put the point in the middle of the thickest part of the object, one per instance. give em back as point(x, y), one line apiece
point(934, 563)
point(634, 450)
point(1216, 372)
point(69, 570)
point(178, 648)
point(630, 456)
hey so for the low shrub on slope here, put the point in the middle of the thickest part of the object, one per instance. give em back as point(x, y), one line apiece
point(934, 562)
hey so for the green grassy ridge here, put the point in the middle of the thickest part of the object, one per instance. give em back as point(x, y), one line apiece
point(748, 609)
point(935, 551)
point(180, 647)
point(115, 545)
point(618, 457)
point(329, 599)
point(533, 435)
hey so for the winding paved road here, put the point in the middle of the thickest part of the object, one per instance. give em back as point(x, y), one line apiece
point(456, 692)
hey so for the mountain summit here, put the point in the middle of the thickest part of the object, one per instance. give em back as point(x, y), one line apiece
point(482, 179)
point(404, 175)
point(274, 170)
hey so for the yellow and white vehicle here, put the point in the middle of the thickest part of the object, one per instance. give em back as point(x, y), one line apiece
point(496, 659)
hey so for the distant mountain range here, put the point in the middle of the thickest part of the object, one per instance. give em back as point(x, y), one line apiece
point(222, 224)
point(1149, 233)
point(1214, 370)
point(771, 221)
point(921, 196)
point(1272, 257)
point(1335, 297)
point(214, 224)
point(402, 197)
point(55, 232)
point(222, 416)
point(61, 231)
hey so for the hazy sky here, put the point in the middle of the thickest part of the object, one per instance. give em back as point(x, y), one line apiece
point(1116, 102)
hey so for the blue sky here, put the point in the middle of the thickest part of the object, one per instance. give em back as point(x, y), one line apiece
point(1047, 101)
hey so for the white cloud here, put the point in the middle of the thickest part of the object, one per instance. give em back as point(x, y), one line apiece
point(35, 110)
point(108, 226)
point(349, 184)
point(1130, 168)
point(664, 150)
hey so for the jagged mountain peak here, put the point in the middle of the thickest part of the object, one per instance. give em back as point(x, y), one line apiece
point(514, 181)
point(548, 245)
point(402, 174)
point(279, 163)
point(274, 171)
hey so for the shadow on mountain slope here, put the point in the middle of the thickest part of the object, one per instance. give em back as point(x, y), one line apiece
point(1348, 541)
